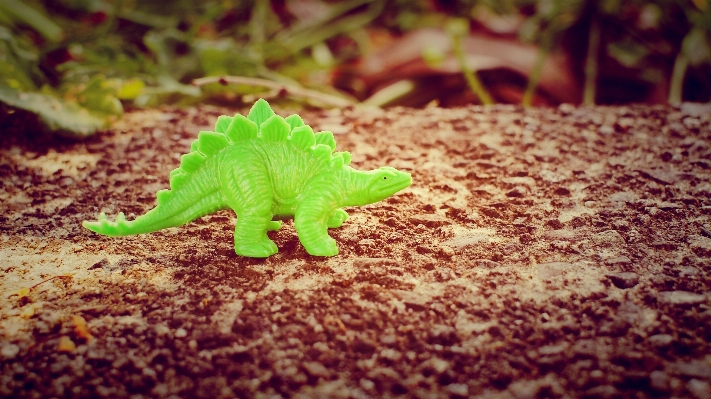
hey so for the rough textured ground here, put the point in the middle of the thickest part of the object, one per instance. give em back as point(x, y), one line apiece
point(539, 253)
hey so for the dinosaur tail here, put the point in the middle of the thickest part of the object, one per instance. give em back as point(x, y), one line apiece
point(175, 208)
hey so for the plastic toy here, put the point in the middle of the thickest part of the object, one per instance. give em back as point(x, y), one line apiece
point(266, 168)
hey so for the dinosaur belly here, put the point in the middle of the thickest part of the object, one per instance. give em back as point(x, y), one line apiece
point(284, 210)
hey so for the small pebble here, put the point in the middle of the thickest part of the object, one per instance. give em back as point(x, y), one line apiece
point(181, 333)
point(367, 384)
point(458, 389)
point(549, 270)
point(681, 298)
point(388, 339)
point(694, 369)
point(430, 220)
point(688, 271)
point(602, 391)
point(316, 369)
point(700, 389)
point(161, 329)
point(9, 351)
point(150, 373)
point(661, 340)
point(659, 380)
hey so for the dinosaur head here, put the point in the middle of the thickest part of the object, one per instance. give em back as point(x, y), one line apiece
point(384, 182)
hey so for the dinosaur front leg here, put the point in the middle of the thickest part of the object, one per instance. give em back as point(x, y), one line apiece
point(337, 218)
point(312, 221)
point(250, 234)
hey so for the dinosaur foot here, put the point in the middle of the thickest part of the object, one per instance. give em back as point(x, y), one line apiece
point(337, 218)
point(260, 249)
point(274, 225)
point(327, 247)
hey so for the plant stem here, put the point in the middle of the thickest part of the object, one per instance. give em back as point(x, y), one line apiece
point(676, 86)
point(257, 30)
point(537, 69)
point(591, 62)
point(257, 21)
point(470, 75)
point(681, 64)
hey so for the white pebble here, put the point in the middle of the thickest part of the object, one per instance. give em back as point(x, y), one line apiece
point(10, 351)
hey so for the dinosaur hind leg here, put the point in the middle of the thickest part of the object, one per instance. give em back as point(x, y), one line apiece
point(250, 196)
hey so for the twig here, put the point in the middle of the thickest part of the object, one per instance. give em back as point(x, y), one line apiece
point(23, 292)
point(291, 89)
point(69, 277)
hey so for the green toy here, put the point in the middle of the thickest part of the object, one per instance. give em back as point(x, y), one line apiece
point(266, 168)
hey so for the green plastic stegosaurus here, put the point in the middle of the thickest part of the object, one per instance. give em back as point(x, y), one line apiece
point(266, 168)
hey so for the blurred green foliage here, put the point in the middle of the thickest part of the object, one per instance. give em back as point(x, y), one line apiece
point(78, 63)
point(90, 58)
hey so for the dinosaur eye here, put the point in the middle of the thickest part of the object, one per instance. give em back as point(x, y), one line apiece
point(385, 178)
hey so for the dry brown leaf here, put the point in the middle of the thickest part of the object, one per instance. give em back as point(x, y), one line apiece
point(66, 344)
point(80, 328)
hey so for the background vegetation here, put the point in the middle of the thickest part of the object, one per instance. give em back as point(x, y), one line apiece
point(78, 63)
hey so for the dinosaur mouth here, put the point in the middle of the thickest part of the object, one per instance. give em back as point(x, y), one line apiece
point(399, 184)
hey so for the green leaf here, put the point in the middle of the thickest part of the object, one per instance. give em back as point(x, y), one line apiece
point(167, 88)
point(84, 5)
point(696, 47)
point(67, 118)
point(457, 27)
point(21, 12)
point(628, 52)
point(18, 64)
point(433, 56)
point(130, 89)
point(173, 51)
point(219, 57)
point(99, 97)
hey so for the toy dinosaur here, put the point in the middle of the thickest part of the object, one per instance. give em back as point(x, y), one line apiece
point(267, 169)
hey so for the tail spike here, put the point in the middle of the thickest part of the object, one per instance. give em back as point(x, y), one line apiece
point(163, 196)
point(102, 217)
point(120, 218)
